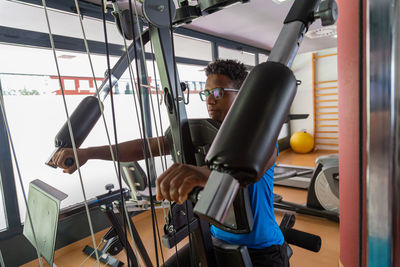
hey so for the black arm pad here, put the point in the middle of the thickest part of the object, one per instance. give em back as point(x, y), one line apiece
point(247, 137)
point(83, 120)
point(302, 239)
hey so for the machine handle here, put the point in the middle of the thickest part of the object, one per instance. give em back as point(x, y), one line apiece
point(69, 162)
point(195, 194)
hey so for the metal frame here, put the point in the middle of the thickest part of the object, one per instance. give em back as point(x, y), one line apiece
point(37, 39)
point(383, 129)
point(8, 189)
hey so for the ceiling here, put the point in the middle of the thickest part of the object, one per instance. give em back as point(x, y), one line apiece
point(256, 23)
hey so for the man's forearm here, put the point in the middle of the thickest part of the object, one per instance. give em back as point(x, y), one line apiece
point(129, 151)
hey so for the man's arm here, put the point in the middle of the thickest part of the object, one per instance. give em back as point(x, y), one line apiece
point(179, 180)
point(128, 151)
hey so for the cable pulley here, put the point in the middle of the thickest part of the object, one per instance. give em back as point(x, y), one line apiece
point(157, 12)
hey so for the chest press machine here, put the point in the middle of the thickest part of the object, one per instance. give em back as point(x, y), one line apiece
point(258, 110)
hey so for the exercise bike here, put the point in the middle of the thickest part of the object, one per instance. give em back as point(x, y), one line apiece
point(322, 193)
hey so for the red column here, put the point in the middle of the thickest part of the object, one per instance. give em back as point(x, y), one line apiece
point(349, 129)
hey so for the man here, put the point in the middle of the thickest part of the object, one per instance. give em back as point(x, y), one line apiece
point(265, 242)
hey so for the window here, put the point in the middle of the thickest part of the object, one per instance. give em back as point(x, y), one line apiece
point(34, 105)
point(189, 48)
point(22, 15)
point(192, 48)
point(35, 113)
point(195, 77)
point(262, 58)
point(244, 57)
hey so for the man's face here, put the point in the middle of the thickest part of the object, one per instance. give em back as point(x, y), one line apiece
point(217, 109)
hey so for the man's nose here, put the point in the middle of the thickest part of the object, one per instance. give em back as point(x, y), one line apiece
point(210, 100)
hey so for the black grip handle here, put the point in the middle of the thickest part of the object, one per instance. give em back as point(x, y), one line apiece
point(69, 162)
point(194, 195)
point(302, 239)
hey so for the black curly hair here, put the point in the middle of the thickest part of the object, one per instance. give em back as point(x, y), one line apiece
point(235, 70)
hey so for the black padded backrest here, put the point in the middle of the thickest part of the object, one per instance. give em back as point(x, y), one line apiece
point(247, 137)
point(203, 132)
point(231, 255)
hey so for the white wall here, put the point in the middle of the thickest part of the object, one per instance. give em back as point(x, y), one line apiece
point(326, 69)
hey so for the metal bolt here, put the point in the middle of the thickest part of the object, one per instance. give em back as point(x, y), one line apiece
point(178, 153)
point(160, 8)
point(171, 228)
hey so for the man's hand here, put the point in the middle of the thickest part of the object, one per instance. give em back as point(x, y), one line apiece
point(178, 181)
point(60, 157)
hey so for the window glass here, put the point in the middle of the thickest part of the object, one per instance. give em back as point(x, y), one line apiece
point(195, 78)
point(20, 15)
point(244, 57)
point(192, 48)
point(36, 113)
point(34, 105)
point(189, 47)
point(262, 58)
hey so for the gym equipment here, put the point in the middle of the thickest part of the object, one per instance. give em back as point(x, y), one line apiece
point(293, 176)
point(228, 254)
point(301, 142)
point(324, 188)
point(90, 110)
point(41, 221)
point(256, 112)
point(115, 238)
point(323, 192)
point(233, 166)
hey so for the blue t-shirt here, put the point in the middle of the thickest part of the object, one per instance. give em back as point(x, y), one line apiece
point(266, 231)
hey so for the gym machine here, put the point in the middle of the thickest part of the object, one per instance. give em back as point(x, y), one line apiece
point(224, 200)
point(322, 192)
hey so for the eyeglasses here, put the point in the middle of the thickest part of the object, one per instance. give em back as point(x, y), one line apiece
point(217, 93)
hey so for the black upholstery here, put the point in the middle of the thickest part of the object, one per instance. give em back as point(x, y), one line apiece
point(231, 255)
point(247, 137)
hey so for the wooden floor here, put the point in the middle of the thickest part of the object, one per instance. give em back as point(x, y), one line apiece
point(307, 160)
point(72, 255)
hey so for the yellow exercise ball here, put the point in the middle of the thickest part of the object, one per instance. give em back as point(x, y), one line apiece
point(302, 142)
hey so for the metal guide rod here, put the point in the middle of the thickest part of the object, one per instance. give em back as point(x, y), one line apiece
point(161, 39)
point(288, 43)
point(121, 66)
